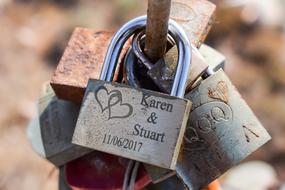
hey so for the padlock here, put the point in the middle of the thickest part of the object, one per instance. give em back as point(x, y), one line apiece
point(57, 120)
point(84, 55)
point(82, 59)
point(139, 118)
point(222, 130)
point(163, 71)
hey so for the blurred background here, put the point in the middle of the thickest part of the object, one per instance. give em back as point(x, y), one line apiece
point(34, 33)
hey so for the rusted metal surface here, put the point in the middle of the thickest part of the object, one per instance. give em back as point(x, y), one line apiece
point(83, 59)
point(157, 28)
point(140, 123)
point(195, 16)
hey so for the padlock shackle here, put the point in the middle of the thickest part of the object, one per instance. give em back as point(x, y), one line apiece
point(139, 23)
point(137, 49)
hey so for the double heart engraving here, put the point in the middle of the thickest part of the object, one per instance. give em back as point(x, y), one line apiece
point(110, 100)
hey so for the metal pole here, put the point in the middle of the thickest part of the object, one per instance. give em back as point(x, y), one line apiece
point(157, 27)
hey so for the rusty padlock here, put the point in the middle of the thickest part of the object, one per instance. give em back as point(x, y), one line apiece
point(222, 130)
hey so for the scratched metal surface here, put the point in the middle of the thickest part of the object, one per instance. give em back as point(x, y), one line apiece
point(221, 131)
point(82, 59)
point(138, 124)
point(57, 120)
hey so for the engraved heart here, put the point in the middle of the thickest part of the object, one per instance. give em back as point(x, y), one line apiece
point(113, 102)
point(220, 92)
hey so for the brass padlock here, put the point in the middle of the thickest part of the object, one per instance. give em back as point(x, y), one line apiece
point(222, 130)
point(57, 120)
point(108, 122)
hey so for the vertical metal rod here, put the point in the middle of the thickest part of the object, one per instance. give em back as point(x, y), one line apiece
point(157, 27)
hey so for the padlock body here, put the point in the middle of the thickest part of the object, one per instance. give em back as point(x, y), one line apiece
point(222, 130)
point(82, 59)
point(57, 120)
point(132, 123)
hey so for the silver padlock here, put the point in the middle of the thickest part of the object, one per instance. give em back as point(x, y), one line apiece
point(113, 134)
point(222, 130)
point(57, 119)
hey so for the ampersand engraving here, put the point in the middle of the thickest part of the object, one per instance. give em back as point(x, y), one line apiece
point(152, 118)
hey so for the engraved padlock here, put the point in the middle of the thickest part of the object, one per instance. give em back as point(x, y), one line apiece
point(124, 121)
point(57, 119)
point(222, 130)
